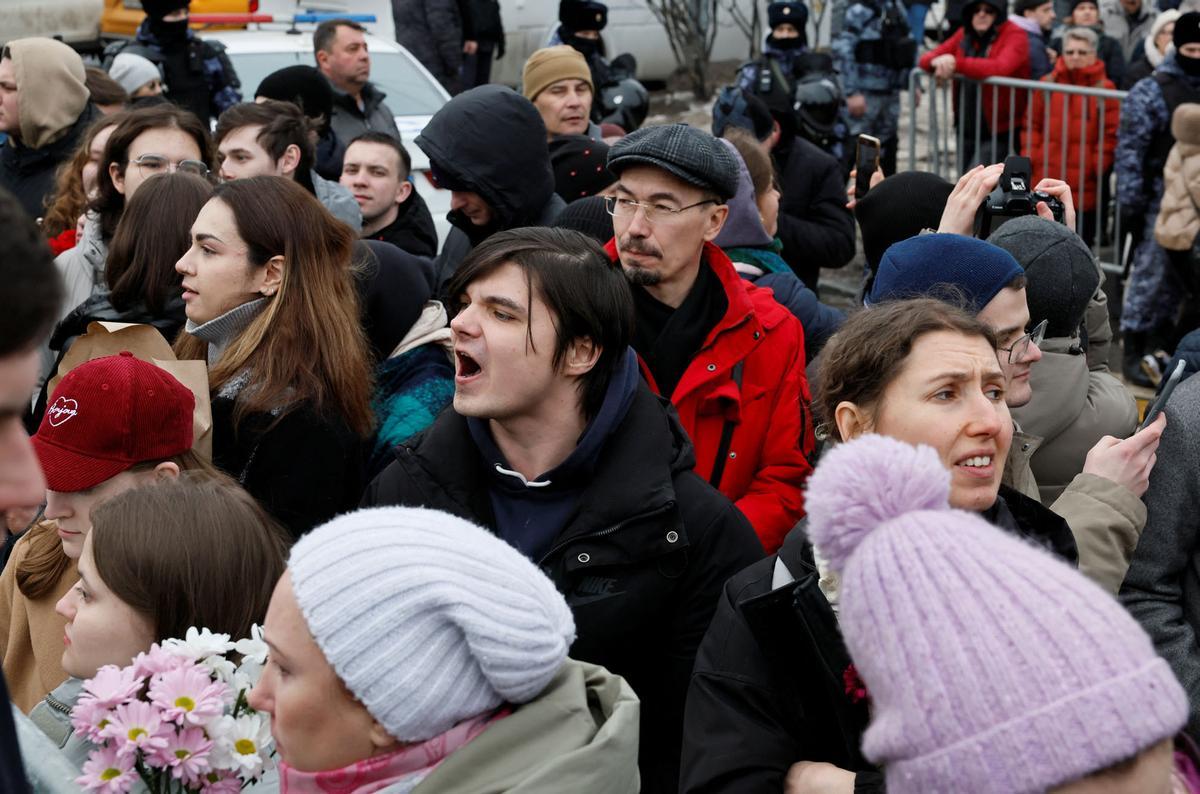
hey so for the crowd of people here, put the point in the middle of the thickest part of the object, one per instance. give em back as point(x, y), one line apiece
point(596, 493)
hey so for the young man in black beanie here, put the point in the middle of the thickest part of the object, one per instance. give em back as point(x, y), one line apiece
point(1036, 18)
point(198, 74)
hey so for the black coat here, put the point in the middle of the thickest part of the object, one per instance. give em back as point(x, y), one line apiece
point(641, 562)
point(492, 141)
point(815, 227)
point(304, 468)
point(769, 687)
point(413, 230)
point(29, 173)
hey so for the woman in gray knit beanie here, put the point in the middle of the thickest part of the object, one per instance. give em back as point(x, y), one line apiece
point(412, 651)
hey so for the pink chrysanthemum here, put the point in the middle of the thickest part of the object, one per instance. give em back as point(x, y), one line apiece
point(89, 718)
point(188, 696)
point(137, 726)
point(222, 782)
point(111, 685)
point(157, 660)
point(186, 755)
point(107, 772)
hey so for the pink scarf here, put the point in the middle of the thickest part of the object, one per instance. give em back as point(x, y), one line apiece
point(403, 768)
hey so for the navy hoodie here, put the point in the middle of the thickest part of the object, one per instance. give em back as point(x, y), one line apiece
point(531, 514)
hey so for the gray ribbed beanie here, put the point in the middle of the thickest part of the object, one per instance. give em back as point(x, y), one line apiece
point(428, 619)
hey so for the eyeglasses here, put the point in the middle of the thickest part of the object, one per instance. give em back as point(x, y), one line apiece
point(151, 164)
point(1020, 348)
point(654, 213)
point(1077, 53)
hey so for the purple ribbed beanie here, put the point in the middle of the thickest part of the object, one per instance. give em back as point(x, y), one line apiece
point(992, 666)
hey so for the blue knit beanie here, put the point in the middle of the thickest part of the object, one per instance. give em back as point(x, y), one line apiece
point(923, 266)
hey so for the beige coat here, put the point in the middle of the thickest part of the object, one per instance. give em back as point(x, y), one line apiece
point(31, 634)
point(1106, 518)
point(1179, 216)
point(579, 736)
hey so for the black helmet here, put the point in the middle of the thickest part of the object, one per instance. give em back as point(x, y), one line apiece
point(817, 99)
point(625, 104)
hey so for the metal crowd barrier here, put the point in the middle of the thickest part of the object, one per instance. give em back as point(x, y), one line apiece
point(947, 143)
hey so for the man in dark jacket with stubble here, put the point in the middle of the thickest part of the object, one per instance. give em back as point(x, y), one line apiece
point(487, 146)
point(556, 444)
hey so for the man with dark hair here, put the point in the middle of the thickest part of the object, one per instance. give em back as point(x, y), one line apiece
point(498, 173)
point(729, 356)
point(308, 89)
point(44, 109)
point(375, 169)
point(1036, 18)
point(555, 443)
point(1102, 502)
point(272, 138)
point(30, 292)
point(432, 30)
point(340, 48)
point(106, 93)
point(198, 75)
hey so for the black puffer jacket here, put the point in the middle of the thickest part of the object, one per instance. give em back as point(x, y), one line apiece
point(641, 562)
point(815, 227)
point(492, 141)
point(770, 684)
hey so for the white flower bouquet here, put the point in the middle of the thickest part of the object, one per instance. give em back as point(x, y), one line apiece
point(177, 718)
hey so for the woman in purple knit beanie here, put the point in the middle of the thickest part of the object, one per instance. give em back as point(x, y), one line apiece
point(991, 666)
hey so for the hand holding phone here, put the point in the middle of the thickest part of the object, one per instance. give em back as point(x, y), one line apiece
point(1160, 402)
point(866, 163)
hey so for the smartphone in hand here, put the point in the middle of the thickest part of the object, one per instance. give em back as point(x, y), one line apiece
point(866, 162)
point(1160, 401)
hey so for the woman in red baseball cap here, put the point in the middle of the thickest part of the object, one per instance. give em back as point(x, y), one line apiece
point(112, 424)
point(271, 305)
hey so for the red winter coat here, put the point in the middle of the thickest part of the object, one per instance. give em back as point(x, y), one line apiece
point(1008, 56)
point(1045, 141)
point(768, 460)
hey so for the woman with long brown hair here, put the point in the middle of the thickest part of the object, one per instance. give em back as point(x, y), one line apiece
point(147, 142)
point(271, 306)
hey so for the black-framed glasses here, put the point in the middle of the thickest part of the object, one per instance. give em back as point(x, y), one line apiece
point(1019, 350)
point(151, 164)
point(654, 213)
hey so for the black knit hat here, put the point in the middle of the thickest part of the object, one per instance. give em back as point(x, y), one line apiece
point(1060, 270)
point(587, 215)
point(157, 9)
point(580, 166)
point(576, 15)
point(1187, 30)
point(787, 13)
point(1021, 6)
point(899, 207)
point(1077, 3)
point(300, 85)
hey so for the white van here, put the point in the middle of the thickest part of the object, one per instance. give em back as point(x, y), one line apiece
point(74, 21)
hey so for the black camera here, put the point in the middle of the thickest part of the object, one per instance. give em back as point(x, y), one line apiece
point(1013, 198)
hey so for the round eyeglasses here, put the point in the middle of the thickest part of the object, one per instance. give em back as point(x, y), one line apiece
point(1019, 351)
point(151, 164)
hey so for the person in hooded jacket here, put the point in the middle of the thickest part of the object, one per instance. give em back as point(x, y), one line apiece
point(556, 445)
point(198, 75)
point(1076, 405)
point(987, 45)
point(44, 109)
point(488, 147)
point(773, 683)
point(748, 240)
point(1144, 141)
point(1149, 53)
point(492, 704)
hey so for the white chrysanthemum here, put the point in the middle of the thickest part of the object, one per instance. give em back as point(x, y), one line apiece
point(199, 644)
point(254, 654)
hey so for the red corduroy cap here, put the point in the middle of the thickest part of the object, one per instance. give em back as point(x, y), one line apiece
point(109, 414)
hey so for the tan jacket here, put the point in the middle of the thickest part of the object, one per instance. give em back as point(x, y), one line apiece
point(1179, 216)
point(579, 736)
point(1072, 408)
point(1105, 518)
point(31, 633)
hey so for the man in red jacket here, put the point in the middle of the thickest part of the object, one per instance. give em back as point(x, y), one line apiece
point(987, 45)
point(730, 358)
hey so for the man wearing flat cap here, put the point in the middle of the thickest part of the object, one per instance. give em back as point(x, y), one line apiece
point(730, 358)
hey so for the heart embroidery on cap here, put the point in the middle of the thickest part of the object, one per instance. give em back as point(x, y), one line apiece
point(62, 410)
